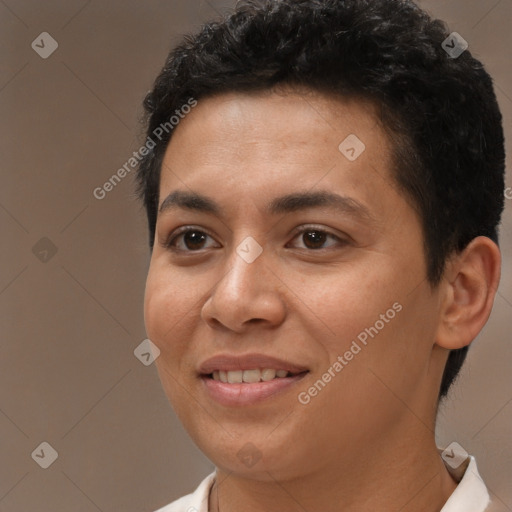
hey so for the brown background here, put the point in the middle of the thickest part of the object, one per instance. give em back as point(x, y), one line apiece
point(69, 326)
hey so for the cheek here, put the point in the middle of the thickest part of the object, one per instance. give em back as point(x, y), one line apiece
point(344, 303)
point(370, 318)
point(385, 348)
point(166, 307)
point(156, 310)
point(166, 316)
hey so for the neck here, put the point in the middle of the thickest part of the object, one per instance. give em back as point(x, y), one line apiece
point(409, 477)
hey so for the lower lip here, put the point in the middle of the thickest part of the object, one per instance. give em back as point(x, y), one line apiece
point(248, 393)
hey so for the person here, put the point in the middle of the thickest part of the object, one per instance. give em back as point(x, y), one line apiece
point(323, 192)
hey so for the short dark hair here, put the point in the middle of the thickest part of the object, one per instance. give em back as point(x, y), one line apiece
point(439, 110)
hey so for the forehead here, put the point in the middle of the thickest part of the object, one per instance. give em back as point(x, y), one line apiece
point(281, 118)
point(270, 142)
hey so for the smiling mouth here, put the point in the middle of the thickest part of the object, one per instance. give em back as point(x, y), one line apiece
point(251, 376)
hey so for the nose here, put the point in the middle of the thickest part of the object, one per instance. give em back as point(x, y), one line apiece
point(247, 294)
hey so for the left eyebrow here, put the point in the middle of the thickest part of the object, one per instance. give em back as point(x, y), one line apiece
point(323, 198)
point(280, 205)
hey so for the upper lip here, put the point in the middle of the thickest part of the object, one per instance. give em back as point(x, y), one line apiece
point(229, 362)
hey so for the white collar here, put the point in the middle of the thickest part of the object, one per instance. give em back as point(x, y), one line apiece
point(470, 495)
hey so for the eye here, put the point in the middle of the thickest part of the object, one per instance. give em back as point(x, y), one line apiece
point(188, 239)
point(315, 238)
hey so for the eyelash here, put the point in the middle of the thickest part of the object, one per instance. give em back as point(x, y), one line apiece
point(170, 243)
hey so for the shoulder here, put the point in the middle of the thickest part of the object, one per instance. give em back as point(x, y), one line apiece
point(194, 502)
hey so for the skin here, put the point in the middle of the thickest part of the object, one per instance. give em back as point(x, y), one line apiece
point(366, 441)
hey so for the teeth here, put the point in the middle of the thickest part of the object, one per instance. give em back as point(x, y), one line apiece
point(267, 374)
point(235, 377)
point(251, 376)
point(248, 376)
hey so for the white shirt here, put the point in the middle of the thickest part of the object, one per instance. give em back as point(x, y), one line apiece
point(470, 495)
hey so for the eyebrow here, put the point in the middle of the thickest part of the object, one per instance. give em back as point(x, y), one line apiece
point(280, 205)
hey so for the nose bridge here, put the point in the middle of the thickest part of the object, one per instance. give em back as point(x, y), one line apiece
point(249, 250)
point(247, 290)
point(248, 256)
point(247, 263)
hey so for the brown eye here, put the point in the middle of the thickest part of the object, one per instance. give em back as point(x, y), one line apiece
point(194, 239)
point(188, 240)
point(314, 239)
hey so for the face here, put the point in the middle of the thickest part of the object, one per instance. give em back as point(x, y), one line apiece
point(299, 268)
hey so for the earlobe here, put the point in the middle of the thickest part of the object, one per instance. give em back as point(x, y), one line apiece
point(469, 286)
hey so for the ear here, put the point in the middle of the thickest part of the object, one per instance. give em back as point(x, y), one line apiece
point(470, 282)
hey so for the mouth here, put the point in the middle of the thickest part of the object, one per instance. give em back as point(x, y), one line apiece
point(251, 376)
point(242, 380)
